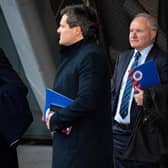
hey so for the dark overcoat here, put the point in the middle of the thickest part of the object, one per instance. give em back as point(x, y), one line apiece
point(14, 111)
point(83, 76)
point(14, 108)
point(150, 135)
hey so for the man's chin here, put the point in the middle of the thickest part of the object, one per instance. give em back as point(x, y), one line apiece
point(134, 45)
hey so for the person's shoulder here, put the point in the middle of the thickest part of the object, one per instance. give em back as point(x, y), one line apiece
point(127, 51)
point(161, 55)
point(160, 51)
point(90, 50)
point(4, 62)
point(90, 45)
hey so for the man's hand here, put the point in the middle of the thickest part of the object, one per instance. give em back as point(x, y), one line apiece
point(48, 117)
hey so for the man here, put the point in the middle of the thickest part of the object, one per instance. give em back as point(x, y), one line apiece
point(14, 110)
point(83, 76)
point(139, 119)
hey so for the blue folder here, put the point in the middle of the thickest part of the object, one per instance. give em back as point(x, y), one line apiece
point(145, 75)
point(55, 98)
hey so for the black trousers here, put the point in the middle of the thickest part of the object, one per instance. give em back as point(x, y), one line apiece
point(120, 140)
point(8, 157)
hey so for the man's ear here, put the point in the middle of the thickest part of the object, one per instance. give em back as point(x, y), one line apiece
point(153, 35)
point(78, 30)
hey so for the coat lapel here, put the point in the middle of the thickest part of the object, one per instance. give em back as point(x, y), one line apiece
point(152, 54)
point(124, 64)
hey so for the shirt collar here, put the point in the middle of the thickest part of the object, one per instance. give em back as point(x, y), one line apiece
point(145, 50)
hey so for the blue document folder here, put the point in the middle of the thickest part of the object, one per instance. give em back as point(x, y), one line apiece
point(55, 98)
point(145, 75)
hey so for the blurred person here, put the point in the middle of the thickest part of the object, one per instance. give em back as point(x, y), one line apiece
point(14, 111)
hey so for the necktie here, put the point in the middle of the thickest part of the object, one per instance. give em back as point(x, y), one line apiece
point(127, 90)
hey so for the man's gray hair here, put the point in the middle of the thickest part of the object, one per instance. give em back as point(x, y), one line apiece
point(153, 23)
